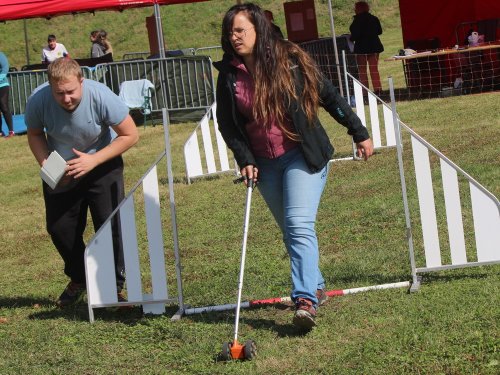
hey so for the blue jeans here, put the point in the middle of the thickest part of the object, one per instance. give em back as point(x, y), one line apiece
point(292, 193)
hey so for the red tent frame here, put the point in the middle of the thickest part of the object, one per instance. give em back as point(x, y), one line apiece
point(20, 9)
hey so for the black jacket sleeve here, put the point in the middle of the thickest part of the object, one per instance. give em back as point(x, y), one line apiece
point(231, 123)
point(340, 110)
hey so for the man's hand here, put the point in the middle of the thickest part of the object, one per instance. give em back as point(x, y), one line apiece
point(365, 149)
point(81, 165)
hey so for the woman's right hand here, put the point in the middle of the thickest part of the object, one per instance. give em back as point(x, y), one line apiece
point(250, 172)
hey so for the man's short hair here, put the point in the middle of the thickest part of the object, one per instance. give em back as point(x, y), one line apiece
point(51, 37)
point(62, 69)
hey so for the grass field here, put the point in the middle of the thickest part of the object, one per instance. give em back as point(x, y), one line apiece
point(449, 327)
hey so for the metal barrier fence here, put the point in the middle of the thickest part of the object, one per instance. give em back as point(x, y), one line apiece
point(187, 84)
point(323, 53)
point(170, 53)
point(135, 55)
point(23, 83)
point(215, 52)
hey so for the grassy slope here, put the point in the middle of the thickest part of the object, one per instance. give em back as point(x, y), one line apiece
point(199, 24)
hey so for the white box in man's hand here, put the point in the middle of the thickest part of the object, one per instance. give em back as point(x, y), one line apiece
point(53, 169)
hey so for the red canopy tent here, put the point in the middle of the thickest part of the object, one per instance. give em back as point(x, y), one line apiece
point(428, 19)
point(22, 9)
point(19, 9)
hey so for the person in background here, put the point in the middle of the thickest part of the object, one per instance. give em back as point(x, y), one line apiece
point(365, 30)
point(97, 49)
point(4, 97)
point(53, 50)
point(90, 127)
point(100, 43)
point(268, 94)
point(270, 17)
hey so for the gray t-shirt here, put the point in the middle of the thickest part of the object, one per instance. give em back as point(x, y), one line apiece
point(86, 129)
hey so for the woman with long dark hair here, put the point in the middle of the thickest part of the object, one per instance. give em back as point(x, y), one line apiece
point(268, 95)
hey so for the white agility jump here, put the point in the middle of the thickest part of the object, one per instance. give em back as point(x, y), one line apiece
point(99, 259)
point(484, 205)
point(206, 162)
point(194, 158)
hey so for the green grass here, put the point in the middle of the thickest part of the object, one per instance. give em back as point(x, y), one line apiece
point(449, 327)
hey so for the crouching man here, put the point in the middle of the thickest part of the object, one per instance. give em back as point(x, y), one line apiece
point(90, 127)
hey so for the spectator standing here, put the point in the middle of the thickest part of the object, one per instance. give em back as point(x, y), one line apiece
point(4, 97)
point(365, 30)
point(97, 49)
point(270, 17)
point(268, 95)
point(90, 127)
point(100, 43)
point(53, 50)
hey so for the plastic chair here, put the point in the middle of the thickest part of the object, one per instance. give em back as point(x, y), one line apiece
point(136, 94)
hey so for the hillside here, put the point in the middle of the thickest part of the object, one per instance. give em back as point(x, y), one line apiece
point(185, 26)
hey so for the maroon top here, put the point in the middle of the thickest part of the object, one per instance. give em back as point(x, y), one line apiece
point(267, 140)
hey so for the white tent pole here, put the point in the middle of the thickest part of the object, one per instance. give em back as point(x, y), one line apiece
point(159, 31)
point(334, 39)
point(26, 42)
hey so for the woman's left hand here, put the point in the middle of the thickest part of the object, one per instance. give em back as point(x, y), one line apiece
point(365, 149)
point(250, 172)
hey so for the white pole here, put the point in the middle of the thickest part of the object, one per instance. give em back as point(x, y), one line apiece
point(159, 31)
point(334, 39)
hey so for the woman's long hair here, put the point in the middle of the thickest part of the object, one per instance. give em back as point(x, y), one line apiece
point(273, 77)
point(103, 39)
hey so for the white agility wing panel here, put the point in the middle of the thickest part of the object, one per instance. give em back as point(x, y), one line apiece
point(374, 120)
point(130, 253)
point(486, 225)
point(221, 145)
point(155, 237)
point(207, 144)
point(360, 106)
point(100, 268)
point(194, 164)
point(192, 156)
point(453, 213)
point(426, 203)
point(390, 134)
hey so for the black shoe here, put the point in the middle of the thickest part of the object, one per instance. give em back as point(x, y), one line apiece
point(73, 293)
point(121, 298)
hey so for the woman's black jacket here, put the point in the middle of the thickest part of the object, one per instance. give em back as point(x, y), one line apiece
point(315, 144)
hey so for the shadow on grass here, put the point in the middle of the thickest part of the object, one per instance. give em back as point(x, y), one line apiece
point(16, 302)
point(128, 316)
point(282, 330)
point(472, 273)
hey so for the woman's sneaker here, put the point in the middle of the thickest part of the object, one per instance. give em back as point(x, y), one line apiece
point(10, 135)
point(305, 314)
point(321, 296)
point(72, 294)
